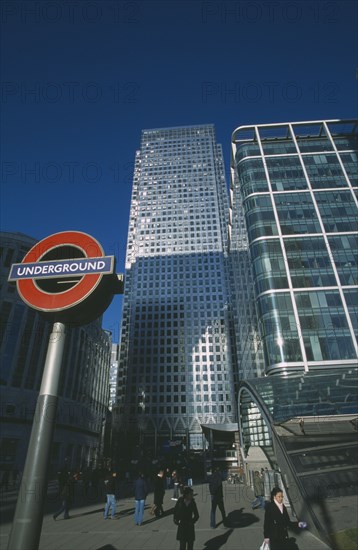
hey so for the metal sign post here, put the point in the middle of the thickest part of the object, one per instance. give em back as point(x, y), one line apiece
point(27, 524)
point(68, 279)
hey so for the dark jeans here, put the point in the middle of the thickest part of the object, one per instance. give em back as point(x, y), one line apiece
point(186, 545)
point(216, 503)
point(159, 509)
point(64, 508)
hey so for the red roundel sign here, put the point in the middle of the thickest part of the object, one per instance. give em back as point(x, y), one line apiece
point(67, 277)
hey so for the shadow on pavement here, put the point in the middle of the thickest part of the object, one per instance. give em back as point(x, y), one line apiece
point(88, 513)
point(217, 542)
point(169, 512)
point(238, 518)
point(166, 513)
point(126, 512)
point(107, 547)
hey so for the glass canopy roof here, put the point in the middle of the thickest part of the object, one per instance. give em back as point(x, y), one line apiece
point(334, 392)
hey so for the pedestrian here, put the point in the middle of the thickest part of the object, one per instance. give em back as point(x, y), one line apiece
point(302, 426)
point(190, 477)
point(110, 488)
point(66, 496)
point(277, 522)
point(168, 476)
point(175, 479)
point(241, 475)
point(259, 490)
point(159, 492)
point(217, 497)
point(140, 494)
point(185, 516)
point(62, 477)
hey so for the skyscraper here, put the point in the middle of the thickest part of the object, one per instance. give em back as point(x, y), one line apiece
point(294, 207)
point(113, 376)
point(175, 346)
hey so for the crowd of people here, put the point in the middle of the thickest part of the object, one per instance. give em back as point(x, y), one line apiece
point(185, 513)
point(91, 484)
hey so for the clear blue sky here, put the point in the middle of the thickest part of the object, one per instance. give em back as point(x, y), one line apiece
point(81, 79)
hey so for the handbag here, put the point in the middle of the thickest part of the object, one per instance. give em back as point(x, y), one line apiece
point(265, 546)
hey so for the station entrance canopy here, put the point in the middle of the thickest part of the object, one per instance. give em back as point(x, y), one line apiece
point(307, 425)
point(228, 427)
point(273, 400)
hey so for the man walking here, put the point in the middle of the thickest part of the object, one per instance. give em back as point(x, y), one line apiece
point(175, 478)
point(140, 494)
point(110, 487)
point(159, 492)
point(217, 497)
point(259, 491)
point(67, 494)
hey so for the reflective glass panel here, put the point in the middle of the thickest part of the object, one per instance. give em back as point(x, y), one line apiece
point(324, 171)
point(286, 173)
point(309, 262)
point(297, 213)
point(338, 210)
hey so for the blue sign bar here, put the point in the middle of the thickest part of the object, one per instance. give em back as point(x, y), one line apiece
point(61, 268)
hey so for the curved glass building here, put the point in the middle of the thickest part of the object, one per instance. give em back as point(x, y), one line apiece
point(294, 196)
point(294, 230)
point(307, 426)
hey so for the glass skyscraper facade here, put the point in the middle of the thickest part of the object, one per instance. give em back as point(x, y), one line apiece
point(176, 346)
point(294, 198)
point(249, 349)
point(113, 376)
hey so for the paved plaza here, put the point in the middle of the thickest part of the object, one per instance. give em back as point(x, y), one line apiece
point(87, 529)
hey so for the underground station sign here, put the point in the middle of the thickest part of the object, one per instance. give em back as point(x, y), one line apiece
point(67, 278)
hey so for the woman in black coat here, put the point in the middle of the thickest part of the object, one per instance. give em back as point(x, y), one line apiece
point(277, 521)
point(185, 516)
point(159, 492)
